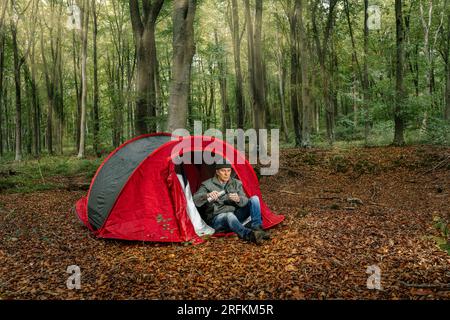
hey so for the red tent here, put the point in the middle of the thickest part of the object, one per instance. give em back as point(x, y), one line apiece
point(136, 193)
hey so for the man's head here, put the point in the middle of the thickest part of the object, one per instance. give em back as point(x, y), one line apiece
point(223, 171)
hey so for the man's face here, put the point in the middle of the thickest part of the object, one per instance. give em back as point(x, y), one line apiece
point(223, 174)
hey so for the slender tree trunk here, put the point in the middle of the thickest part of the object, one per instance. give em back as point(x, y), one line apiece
point(428, 49)
point(250, 50)
point(365, 78)
point(2, 60)
point(226, 120)
point(294, 75)
point(36, 106)
point(7, 122)
point(76, 71)
point(326, 73)
point(96, 119)
point(17, 82)
point(259, 106)
point(447, 68)
point(256, 67)
point(307, 106)
point(60, 96)
point(8, 134)
point(158, 93)
point(4, 6)
point(50, 96)
point(85, 27)
point(183, 52)
point(447, 95)
point(281, 88)
point(400, 91)
point(2, 101)
point(32, 88)
point(235, 33)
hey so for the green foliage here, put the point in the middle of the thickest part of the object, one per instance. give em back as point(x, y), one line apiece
point(44, 174)
point(443, 241)
point(437, 131)
point(347, 130)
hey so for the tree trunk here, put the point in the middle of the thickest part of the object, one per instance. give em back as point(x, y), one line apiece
point(36, 106)
point(256, 68)
point(96, 122)
point(60, 95)
point(251, 54)
point(33, 115)
point(365, 78)
point(400, 91)
point(50, 96)
point(84, 31)
point(226, 120)
point(183, 52)
point(53, 79)
point(259, 103)
point(307, 107)
point(17, 82)
point(236, 38)
point(322, 51)
point(294, 76)
point(158, 93)
point(447, 69)
point(281, 88)
point(76, 71)
point(144, 37)
point(2, 60)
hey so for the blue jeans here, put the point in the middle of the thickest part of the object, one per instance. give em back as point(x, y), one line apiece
point(232, 221)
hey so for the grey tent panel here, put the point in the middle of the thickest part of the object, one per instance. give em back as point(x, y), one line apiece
point(115, 173)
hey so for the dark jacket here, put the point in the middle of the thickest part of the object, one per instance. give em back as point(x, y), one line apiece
point(223, 204)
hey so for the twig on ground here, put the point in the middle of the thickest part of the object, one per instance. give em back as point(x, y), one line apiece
point(377, 204)
point(290, 192)
point(328, 198)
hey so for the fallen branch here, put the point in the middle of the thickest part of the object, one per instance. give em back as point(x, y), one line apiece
point(329, 198)
point(290, 192)
point(377, 204)
point(355, 200)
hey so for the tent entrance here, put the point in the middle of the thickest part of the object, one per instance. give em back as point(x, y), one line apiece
point(196, 173)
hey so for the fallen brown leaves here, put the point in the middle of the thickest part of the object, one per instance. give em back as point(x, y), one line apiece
point(322, 250)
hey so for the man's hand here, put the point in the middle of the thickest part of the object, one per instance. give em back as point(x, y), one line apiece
point(214, 195)
point(234, 197)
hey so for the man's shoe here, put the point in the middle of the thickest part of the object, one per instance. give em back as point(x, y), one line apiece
point(255, 237)
point(266, 235)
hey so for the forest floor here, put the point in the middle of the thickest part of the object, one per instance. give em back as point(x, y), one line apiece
point(346, 210)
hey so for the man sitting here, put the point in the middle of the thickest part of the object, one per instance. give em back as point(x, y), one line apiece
point(227, 206)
